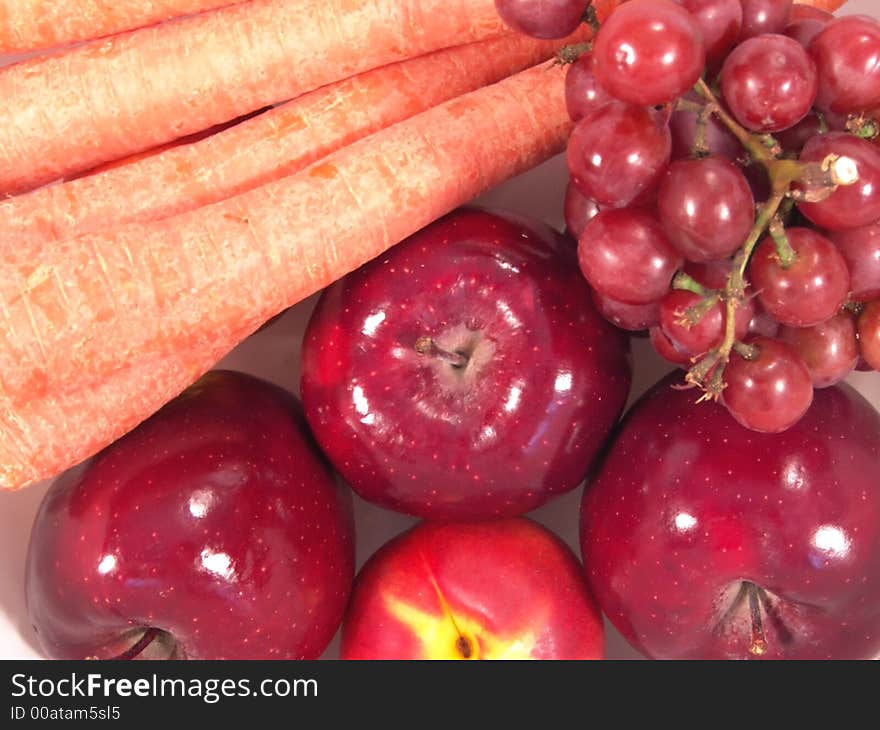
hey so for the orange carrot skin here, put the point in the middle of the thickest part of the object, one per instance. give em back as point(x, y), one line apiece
point(135, 91)
point(32, 25)
point(829, 5)
point(155, 152)
point(273, 145)
point(96, 333)
point(27, 25)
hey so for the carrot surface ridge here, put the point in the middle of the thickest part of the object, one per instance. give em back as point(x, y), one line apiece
point(268, 147)
point(108, 99)
point(97, 332)
point(32, 25)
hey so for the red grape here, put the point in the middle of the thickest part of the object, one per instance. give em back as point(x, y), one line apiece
point(648, 52)
point(632, 317)
point(803, 31)
point(583, 93)
point(617, 153)
point(769, 83)
point(578, 210)
point(860, 248)
point(835, 122)
point(811, 289)
point(847, 57)
point(850, 206)
point(869, 334)
point(771, 392)
point(764, 16)
point(829, 350)
point(719, 20)
point(794, 138)
point(762, 323)
point(625, 255)
point(759, 180)
point(711, 274)
point(664, 347)
point(542, 18)
point(708, 332)
point(719, 139)
point(706, 207)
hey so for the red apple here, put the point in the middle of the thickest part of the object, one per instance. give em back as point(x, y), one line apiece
point(704, 540)
point(466, 373)
point(215, 530)
point(487, 590)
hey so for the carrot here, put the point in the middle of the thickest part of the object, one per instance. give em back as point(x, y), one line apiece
point(30, 25)
point(829, 5)
point(156, 151)
point(98, 332)
point(131, 92)
point(273, 145)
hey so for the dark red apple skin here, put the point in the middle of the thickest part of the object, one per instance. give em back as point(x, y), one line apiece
point(531, 412)
point(513, 589)
point(227, 469)
point(689, 504)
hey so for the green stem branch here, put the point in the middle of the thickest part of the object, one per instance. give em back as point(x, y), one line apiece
point(752, 143)
point(591, 18)
point(784, 251)
point(686, 282)
point(707, 373)
point(816, 182)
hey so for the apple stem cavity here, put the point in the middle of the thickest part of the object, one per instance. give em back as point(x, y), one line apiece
point(152, 644)
point(464, 647)
point(427, 346)
point(759, 640)
point(759, 603)
point(138, 648)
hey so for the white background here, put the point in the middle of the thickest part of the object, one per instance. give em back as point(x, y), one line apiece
point(273, 354)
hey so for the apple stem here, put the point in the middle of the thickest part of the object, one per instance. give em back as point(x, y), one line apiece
point(133, 652)
point(427, 346)
point(759, 640)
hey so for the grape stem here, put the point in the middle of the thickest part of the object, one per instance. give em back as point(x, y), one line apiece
point(758, 150)
point(686, 105)
point(784, 251)
point(819, 180)
point(854, 307)
point(747, 352)
point(693, 314)
point(863, 126)
point(686, 282)
point(572, 52)
point(700, 147)
point(714, 362)
point(590, 17)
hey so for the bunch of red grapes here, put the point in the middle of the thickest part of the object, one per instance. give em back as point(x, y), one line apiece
point(725, 188)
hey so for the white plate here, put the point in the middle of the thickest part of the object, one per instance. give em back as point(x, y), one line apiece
point(274, 354)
